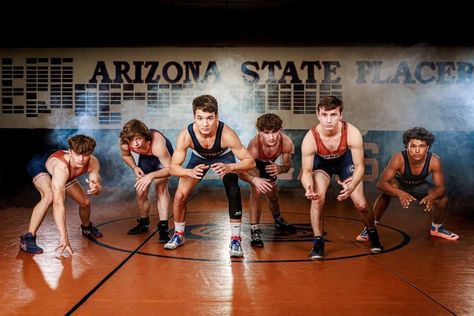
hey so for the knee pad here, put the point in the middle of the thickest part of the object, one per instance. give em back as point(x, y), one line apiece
point(232, 190)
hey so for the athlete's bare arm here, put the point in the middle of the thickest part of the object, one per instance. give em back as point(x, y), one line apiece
point(94, 180)
point(438, 181)
point(356, 146)
point(308, 150)
point(60, 175)
point(184, 142)
point(385, 183)
point(231, 140)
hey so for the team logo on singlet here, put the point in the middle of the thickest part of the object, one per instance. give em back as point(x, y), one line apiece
point(330, 156)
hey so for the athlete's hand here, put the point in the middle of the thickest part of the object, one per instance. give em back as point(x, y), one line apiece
point(262, 185)
point(138, 172)
point(94, 187)
point(346, 191)
point(428, 201)
point(198, 171)
point(310, 194)
point(273, 169)
point(221, 168)
point(405, 199)
point(64, 246)
point(143, 182)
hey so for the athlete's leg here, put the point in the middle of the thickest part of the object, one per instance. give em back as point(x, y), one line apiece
point(77, 193)
point(361, 204)
point(163, 205)
point(321, 183)
point(43, 185)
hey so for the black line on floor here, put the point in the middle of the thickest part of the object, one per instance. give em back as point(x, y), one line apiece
point(415, 287)
point(108, 276)
point(121, 264)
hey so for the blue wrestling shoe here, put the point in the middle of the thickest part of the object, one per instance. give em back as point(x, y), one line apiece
point(236, 248)
point(90, 231)
point(175, 241)
point(28, 244)
point(318, 249)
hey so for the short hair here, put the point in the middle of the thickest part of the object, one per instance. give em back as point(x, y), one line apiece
point(419, 133)
point(81, 144)
point(134, 128)
point(330, 103)
point(269, 121)
point(206, 103)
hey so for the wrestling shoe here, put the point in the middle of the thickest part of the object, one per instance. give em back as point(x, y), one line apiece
point(90, 231)
point(443, 233)
point(318, 249)
point(28, 244)
point(175, 241)
point(255, 238)
point(363, 236)
point(163, 232)
point(143, 226)
point(375, 245)
point(282, 224)
point(236, 248)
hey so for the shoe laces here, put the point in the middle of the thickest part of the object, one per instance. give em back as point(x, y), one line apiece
point(176, 239)
point(443, 230)
point(255, 234)
point(235, 244)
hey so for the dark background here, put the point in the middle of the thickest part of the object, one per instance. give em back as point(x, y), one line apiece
point(232, 23)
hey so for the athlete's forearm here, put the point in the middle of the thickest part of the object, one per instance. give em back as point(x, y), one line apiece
point(244, 165)
point(129, 161)
point(179, 171)
point(162, 173)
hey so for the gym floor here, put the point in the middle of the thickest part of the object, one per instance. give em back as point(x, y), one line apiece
point(120, 274)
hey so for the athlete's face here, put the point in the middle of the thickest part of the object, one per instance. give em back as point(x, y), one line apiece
point(269, 137)
point(137, 142)
point(78, 160)
point(206, 122)
point(417, 149)
point(329, 118)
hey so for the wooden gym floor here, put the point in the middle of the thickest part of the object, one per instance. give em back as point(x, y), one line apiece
point(124, 275)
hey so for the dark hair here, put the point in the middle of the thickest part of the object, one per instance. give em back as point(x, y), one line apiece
point(269, 121)
point(419, 133)
point(81, 144)
point(206, 103)
point(134, 128)
point(330, 103)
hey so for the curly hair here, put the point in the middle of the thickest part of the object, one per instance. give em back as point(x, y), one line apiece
point(269, 121)
point(419, 133)
point(81, 144)
point(134, 128)
point(330, 103)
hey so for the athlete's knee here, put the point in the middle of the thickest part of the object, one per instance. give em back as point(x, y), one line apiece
point(180, 198)
point(231, 183)
point(361, 206)
point(142, 195)
point(442, 202)
point(85, 202)
point(47, 198)
point(319, 203)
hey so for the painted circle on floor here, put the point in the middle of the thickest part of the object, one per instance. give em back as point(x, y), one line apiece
point(203, 240)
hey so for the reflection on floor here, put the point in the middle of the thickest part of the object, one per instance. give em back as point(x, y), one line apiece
point(122, 274)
